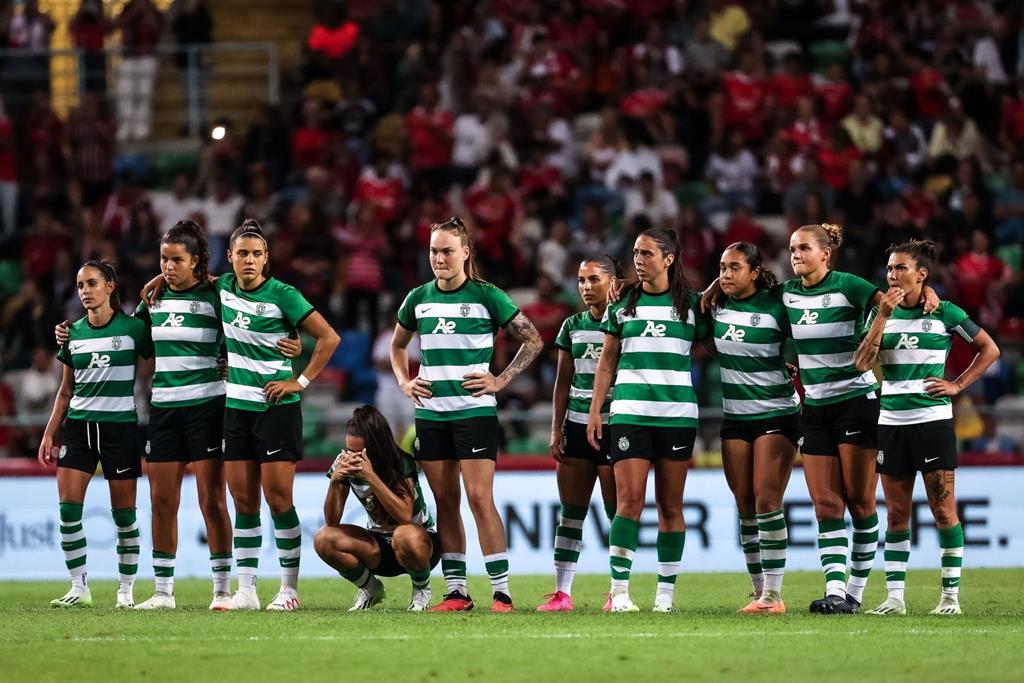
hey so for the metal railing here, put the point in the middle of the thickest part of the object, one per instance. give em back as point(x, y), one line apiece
point(221, 67)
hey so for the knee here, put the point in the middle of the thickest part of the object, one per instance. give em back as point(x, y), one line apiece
point(212, 503)
point(408, 541)
point(164, 503)
point(669, 510)
point(322, 542)
point(479, 501)
point(278, 500)
point(945, 516)
point(830, 507)
point(447, 501)
point(862, 508)
point(629, 504)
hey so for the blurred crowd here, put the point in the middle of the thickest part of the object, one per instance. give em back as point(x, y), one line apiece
point(558, 128)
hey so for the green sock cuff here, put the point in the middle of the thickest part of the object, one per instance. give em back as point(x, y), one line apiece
point(609, 512)
point(353, 574)
point(626, 523)
point(158, 555)
point(897, 536)
point(220, 556)
point(287, 519)
point(866, 522)
point(123, 516)
point(574, 511)
point(670, 545)
point(953, 537)
point(768, 515)
point(71, 512)
point(827, 525)
point(419, 576)
point(244, 521)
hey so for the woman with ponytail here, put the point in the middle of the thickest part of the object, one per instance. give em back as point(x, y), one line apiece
point(760, 429)
point(653, 416)
point(579, 343)
point(915, 427)
point(96, 405)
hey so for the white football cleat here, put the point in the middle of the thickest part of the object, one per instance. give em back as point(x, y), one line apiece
point(369, 596)
point(890, 606)
point(220, 602)
point(78, 596)
point(158, 601)
point(286, 600)
point(621, 602)
point(662, 603)
point(125, 599)
point(948, 604)
point(243, 599)
point(420, 601)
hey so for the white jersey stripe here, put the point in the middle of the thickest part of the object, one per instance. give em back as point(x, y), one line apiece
point(101, 344)
point(587, 336)
point(736, 406)
point(815, 301)
point(203, 335)
point(453, 311)
point(187, 393)
point(825, 330)
point(242, 392)
point(115, 373)
point(728, 347)
point(184, 306)
point(827, 390)
point(766, 378)
point(444, 404)
point(904, 386)
point(450, 373)
point(250, 307)
point(728, 316)
point(825, 360)
point(654, 408)
point(913, 357)
point(184, 363)
point(915, 326)
point(435, 342)
point(103, 404)
point(916, 415)
point(261, 367)
point(585, 366)
point(583, 418)
point(654, 377)
point(238, 334)
point(655, 345)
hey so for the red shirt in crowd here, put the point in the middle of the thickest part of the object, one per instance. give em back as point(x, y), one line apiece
point(804, 134)
point(7, 174)
point(494, 215)
point(836, 100)
point(974, 272)
point(787, 89)
point(547, 317)
point(365, 250)
point(835, 165)
point(308, 146)
point(744, 103)
point(430, 137)
point(1012, 124)
point(542, 177)
point(383, 193)
point(928, 95)
point(334, 42)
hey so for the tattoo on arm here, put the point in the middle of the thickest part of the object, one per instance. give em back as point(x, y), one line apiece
point(523, 330)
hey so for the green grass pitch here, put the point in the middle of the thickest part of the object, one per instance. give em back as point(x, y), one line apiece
point(703, 640)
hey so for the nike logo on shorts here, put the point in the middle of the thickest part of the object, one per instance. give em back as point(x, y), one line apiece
point(275, 451)
point(849, 433)
point(927, 460)
point(211, 450)
point(678, 448)
point(123, 471)
point(479, 450)
point(773, 431)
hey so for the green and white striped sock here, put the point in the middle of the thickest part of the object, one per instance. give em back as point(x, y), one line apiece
point(670, 557)
point(420, 579)
point(288, 536)
point(247, 541)
point(832, 546)
point(896, 555)
point(568, 542)
point(951, 541)
point(752, 552)
point(127, 544)
point(359, 575)
point(220, 568)
point(497, 571)
point(72, 541)
point(163, 569)
point(453, 567)
point(862, 556)
point(623, 538)
point(773, 538)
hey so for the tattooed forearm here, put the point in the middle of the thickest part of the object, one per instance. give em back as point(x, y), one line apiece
point(523, 330)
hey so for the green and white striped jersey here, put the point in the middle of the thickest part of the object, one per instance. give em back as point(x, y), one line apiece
point(378, 519)
point(914, 347)
point(581, 337)
point(827, 321)
point(749, 334)
point(103, 359)
point(456, 331)
point(254, 321)
point(653, 385)
point(186, 331)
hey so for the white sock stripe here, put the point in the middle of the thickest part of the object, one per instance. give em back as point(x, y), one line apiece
point(668, 568)
point(163, 562)
point(74, 554)
point(773, 518)
point(570, 523)
point(950, 572)
point(563, 543)
point(249, 533)
point(496, 557)
point(289, 554)
point(457, 557)
point(246, 553)
point(126, 529)
point(293, 532)
point(953, 552)
point(773, 555)
point(129, 559)
point(246, 571)
point(838, 533)
point(565, 566)
point(71, 538)
point(777, 535)
point(901, 547)
point(618, 551)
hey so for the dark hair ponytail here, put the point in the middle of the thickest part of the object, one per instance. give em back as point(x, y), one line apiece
point(109, 274)
point(668, 243)
point(372, 427)
point(188, 234)
point(251, 227)
point(924, 252)
point(607, 263)
point(755, 259)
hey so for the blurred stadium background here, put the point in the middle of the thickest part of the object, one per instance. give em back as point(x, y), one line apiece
point(558, 127)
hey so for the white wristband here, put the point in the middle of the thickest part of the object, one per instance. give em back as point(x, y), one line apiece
point(303, 381)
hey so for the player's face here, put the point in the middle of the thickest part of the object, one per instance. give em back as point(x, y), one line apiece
point(805, 255)
point(93, 289)
point(355, 444)
point(593, 283)
point(735, 276)
point(177, 265)
point(248, 256)
point(448, 255)
point(902, 271)
point(649, 260)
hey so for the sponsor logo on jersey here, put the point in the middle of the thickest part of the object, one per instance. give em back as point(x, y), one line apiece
point(173, 320)
point(99, 360)
point(653, 330)
point(593, 352)
point(907, 341)
point(444, 327)
point(241, 321)
point(734, 334)
point(808, 318)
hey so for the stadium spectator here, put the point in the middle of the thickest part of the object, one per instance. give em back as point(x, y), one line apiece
point(140, 23)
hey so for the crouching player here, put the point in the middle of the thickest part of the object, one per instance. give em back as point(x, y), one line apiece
point(400, 537)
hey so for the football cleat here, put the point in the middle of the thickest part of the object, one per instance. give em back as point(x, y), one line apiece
point(890, 606)
point(76, 597)
point(420, 601)
point(559, 601)
point(286, 600)
point(948, 605)
point(502, 603)
point(158, 601)
point(243, 599)
point(368, 596)
point(454, 602)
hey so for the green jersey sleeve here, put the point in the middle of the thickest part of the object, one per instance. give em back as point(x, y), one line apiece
point(407, 311)
point(870, 319)
point(610, 322)
point(858, 290)
point(564, 339)
point(64, 356)
point(702, 323)
point(143, 339)
point(958, 322)
point(294, 306)
point(499, 305)
point(142, 313)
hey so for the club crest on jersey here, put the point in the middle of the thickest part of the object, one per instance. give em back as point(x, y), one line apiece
point(653, 329)
point(116, 343)
point(624, 444)
point(444, 327)
point(675, 314)
point(62, 452)
point(826, 300)
point(755, 320)
point(261, 308)
point(880, 458)
point(464, 310)
point(193, 307)
point(926, 326)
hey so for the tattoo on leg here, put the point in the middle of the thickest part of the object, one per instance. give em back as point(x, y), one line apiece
point(935, 486)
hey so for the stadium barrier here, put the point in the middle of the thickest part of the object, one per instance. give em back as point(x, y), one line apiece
point(989, 499)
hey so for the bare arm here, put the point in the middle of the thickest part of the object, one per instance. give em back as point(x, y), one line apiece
point(60, 409)
point(414, 388)
point(326, 341)
point(987, 354)
point(482, 383)
point(560, 402)
point(603, 377)
point(334, 503)
point(867, 353)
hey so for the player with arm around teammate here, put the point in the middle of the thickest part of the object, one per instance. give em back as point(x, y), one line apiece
point(400, 537)
point(915, 427)
point(96, 405)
